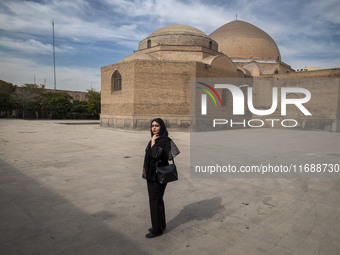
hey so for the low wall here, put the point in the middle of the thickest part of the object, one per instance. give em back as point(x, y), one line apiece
point(143, 122)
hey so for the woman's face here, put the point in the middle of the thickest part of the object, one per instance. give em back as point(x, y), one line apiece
point(155, 128)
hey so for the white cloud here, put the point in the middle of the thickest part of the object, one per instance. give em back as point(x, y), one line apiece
point(30, 46)
point(302, 29)
point(71, 21)
point(310, 48)
point(204, 16)
point(323, 11)
point(19, 71)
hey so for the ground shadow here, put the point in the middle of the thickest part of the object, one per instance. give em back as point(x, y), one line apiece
point(31, 225)
point(200, 210)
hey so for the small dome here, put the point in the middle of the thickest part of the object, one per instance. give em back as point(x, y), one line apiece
point(138, 56)
point(178, 35)
point(177, 30)
point(239, 39)
point(220, 61)
point(253, 69)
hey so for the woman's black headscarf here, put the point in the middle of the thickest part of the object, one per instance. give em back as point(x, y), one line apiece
point(163, 140)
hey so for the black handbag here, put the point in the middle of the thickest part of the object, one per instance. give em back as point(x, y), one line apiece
point(167, 173)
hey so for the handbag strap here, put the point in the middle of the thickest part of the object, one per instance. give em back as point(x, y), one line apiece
point(172, 158)
point(173, 161)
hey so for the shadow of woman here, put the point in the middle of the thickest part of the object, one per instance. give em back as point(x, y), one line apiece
point(200, 210)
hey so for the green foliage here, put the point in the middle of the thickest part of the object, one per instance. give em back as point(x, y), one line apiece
point(79, 110)
point(30, 100)
point(6, 97)
point(93, 103)
point(79, 107)
point(7, 87)
point(6, 102)
point(34, 106)
point(28, 94)
point(57, 104)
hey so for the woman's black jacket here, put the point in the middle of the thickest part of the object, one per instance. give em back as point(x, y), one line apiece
point(158, 153)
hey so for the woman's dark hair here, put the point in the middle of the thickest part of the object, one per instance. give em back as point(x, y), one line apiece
point(162, 131)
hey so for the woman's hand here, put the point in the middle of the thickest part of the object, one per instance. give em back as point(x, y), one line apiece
point(153, 140)
point(144, 174)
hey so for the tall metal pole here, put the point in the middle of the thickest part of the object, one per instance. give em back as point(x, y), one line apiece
point(55, 79)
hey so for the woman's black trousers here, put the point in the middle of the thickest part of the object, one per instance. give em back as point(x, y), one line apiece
point(157, 209)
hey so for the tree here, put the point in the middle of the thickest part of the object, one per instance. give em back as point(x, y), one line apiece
point(93, 103)
point(28, 94)
point(6, 103)
point(34, 106)
point(57, 104)
point(7, 87)
point(6, 97)
point(79, 109)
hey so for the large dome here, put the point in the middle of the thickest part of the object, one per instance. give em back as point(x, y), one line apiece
point(239, 39)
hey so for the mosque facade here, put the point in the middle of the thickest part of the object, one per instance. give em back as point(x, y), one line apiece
point(155, 80)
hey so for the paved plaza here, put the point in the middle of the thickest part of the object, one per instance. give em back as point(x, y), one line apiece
point(76, 188)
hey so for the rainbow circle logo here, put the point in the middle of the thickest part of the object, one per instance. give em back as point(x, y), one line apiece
point(209, 93)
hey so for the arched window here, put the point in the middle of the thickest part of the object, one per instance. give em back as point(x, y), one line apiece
point(116, 82)
point(149, 44)
point(210, 45)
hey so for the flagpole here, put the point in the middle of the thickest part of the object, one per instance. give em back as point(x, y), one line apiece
point(55, 80)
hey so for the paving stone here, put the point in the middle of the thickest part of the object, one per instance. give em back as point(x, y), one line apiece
point(78, 189)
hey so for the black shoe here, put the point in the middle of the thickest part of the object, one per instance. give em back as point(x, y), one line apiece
point(150, 229)
point(152, 235)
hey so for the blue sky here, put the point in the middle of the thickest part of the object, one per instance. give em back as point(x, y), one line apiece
point(91, 34)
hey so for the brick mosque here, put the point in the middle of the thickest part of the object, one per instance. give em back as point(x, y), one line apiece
point(155, 80)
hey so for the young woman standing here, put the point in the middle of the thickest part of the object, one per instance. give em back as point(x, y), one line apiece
point(156, 152)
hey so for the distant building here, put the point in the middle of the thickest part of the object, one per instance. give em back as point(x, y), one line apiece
point(309, 68)
point(40, 86)
point(18, 113)
point(76, 95)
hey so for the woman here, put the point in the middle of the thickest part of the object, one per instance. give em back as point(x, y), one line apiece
point(157, 152)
